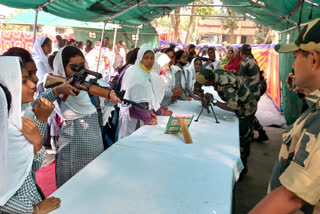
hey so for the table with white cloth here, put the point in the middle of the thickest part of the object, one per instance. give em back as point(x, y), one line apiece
point(150, 172)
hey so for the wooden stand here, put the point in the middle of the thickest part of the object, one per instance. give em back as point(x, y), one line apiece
point(185, 130)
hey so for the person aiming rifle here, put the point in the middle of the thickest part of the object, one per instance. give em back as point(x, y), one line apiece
point(80, 138)
point(79, 81)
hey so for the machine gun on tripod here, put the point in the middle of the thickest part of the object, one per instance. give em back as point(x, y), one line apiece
point(207, 103)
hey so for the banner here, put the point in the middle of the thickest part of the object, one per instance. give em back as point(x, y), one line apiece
point(24, 40)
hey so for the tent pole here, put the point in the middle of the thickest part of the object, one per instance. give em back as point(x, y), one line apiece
point(114, 38)
point(35, 26)
point(137, 35)
point(187, 5)
point(113, 45)
point(311, 3)
point(102, 35)
point(36, 18)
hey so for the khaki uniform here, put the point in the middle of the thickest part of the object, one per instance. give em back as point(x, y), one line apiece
point(298, 166)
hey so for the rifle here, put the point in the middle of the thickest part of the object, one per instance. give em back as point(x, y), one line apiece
point(91, 86)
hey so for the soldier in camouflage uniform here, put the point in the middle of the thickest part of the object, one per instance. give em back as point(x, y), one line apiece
point(295, 181)
point(249, 73)
point(238, 99)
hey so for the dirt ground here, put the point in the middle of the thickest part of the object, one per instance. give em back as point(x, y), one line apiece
point(253, 187)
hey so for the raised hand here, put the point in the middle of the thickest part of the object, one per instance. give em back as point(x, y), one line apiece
point(31, 132)
point(43, 109)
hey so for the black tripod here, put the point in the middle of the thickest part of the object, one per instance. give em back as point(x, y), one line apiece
point(207, 105)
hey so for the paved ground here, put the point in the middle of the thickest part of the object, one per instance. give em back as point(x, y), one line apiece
point(253, 187)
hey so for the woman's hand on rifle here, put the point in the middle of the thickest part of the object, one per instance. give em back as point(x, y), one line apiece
point(113, 97)
point(66, 89)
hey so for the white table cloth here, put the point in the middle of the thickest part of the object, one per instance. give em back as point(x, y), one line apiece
point(150, 172)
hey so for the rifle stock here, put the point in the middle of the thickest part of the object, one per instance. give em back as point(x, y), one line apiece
point(53, 81)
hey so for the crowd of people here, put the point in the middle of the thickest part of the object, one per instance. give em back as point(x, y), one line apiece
point(33, 115)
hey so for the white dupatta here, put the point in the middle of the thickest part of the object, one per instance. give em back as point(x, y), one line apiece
point(142, 86)
point(192, 72)
point(40, 59)
point(19, 154)
point(75, 107)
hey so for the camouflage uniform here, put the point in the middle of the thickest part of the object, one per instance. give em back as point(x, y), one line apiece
point(238, 98)
point(298, 166)
point(249, 73)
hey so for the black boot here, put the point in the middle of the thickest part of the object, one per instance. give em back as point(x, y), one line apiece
point(262, 136)
point(245, 168)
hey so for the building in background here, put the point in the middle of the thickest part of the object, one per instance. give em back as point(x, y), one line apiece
point(211, 31)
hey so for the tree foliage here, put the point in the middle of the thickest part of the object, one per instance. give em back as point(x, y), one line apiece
point(187, 23)
point(205, 10)
point(264, 35)
point(230, 24)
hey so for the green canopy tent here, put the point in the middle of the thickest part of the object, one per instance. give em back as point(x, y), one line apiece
point(27, 18)
point(130, 12)
point(147, 33)
point(127, 12)
point(283, 16)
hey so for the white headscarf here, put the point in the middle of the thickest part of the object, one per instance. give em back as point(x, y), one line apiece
point(40, 59)
point(142, 86)
point(75, 107)
point(184, 74)
point(4, 180)
point(192, 72)
point(162, 60)
point(19, 155)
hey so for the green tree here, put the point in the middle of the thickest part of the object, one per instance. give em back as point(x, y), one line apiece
point(186, 23)
point(230, 24)
point(264, 35)
point(205, 10)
